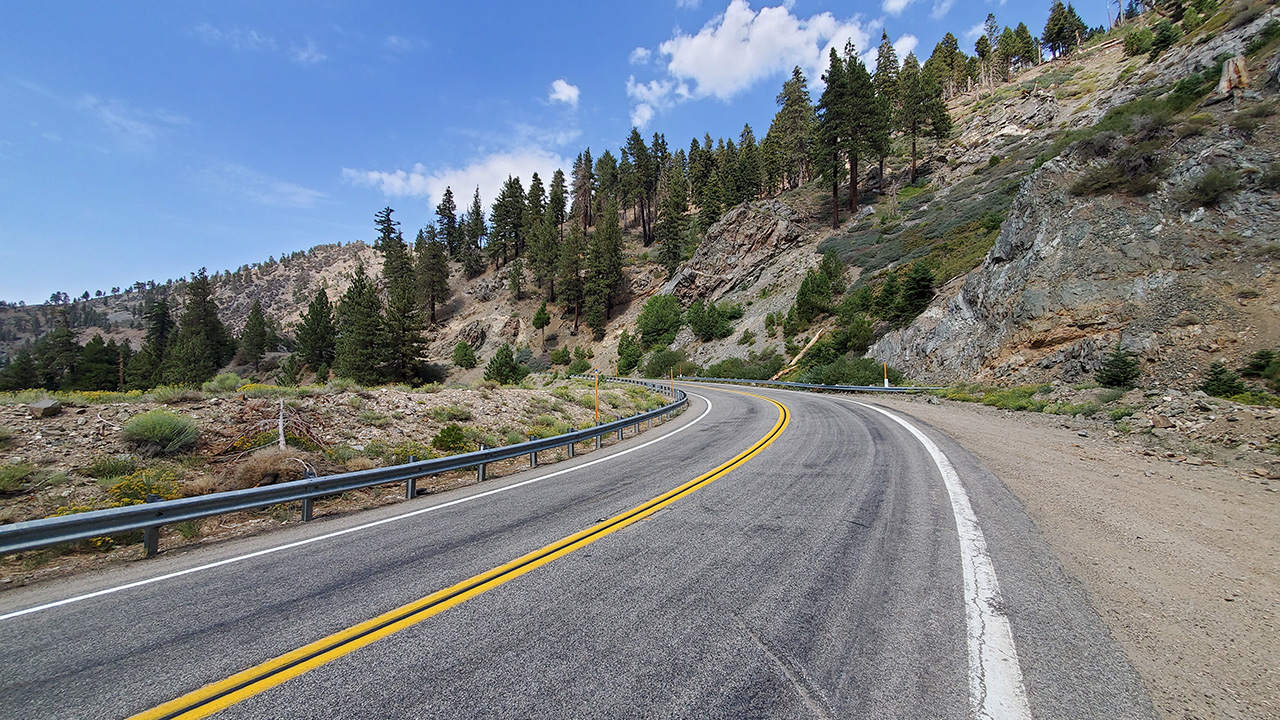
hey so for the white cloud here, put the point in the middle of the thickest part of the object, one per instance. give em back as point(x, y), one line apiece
point(488, 173)
point(236, 38)
point(905, 45)
point(639, 56)
point(239, 180)
point(641, 115)
point(562, 91)
point(688, 4)
point(738, 49)
point(895, 7)
point(309, 55)
point(973, 33)
point(940, 8)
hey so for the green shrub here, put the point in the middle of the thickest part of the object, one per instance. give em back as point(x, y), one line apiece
point(226, 382)
point(1164, 36)
point(452, 440)
point(173, 394)
point(111, 466)
point(1221, 382)
point(463, 355)
point(160, 432)
point(560, 356)
point(747, 337)
point(1021, 397)
point(659, 321)
point(503, 368)
point(401, 453)
point(1138, 42)
point(1212, 187)
point(374, 418)
point(1120, 369)
point(662, 362)
point(1121, 413)
point(451, 414)
point(14, 475)
point(6, 437)
point(579, 366)
point(135, 489)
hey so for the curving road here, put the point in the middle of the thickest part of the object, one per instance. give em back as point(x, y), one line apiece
point(828, 572)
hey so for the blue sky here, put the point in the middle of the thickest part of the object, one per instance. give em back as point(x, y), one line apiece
point(145, 140)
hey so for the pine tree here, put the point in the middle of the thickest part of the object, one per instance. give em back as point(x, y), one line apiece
point(143, 370)
point(813, 298)
point(21, 373)
point(473, 238)
point(201, 345)
point(828, 138)
point(505, 221)
point(502, 367)
point(317, 334)
point(361, 341)
point(541, 320)
point(447, 218)
point(253, 341)
point(673, 223)
point(748, 165)
point(569, 272)
point(604, 271)
point(97, 368)
point(608, 182)
point(863, 119)
point(402, 324)
point(463, 356)
point(1120, 369)
point(885, 81)
point(921, 110)
point(432, 271)
point(583, 189)
point(556, 202)
point(544, 254)
point(833, 267)
point(915, 294)
point(515, 279)
point(535, 210)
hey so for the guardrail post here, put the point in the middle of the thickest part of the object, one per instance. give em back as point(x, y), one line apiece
point(480, 468)
point(619, 434)
point(308, 507)
point(533, 456)
point(411, 485)
point(570, 446)
point(150, 542)
point(599, 440)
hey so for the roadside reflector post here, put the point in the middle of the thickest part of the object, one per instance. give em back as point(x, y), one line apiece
point(886, 374)
point(480, 468)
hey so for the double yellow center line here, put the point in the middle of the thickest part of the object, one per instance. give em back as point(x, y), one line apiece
point(243, 685)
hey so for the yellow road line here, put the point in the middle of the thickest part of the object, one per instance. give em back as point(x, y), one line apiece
point(243, 685)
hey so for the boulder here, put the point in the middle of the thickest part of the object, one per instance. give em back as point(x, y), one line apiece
point(47, 407)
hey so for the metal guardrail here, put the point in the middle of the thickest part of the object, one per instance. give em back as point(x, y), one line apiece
point(809, 386)
point(149, 517)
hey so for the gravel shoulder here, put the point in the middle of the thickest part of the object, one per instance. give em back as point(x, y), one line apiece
point(1183, 561)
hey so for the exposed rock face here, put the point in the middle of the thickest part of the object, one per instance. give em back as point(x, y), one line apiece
point(473, 334)
point(737, 249)
point(1069, 277)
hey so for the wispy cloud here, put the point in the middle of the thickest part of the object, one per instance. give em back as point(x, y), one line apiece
point(941, 8)
point(486, 173)
point(233, 179)
point(562, 91)
point(310, 54)
point(235, 38)
point(132, 126)
point(973, 33)
point(688, 4)
point(399, 44)
point(639, 56)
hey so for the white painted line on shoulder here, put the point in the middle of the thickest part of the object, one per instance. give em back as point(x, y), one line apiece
point(357, 528)
point(996, 691)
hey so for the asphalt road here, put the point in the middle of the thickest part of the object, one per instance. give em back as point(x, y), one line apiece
point(822, 578)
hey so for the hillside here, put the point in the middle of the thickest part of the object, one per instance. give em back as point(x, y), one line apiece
point(1044, 254)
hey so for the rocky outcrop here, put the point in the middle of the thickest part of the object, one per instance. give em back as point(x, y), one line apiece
point(737, 249)
point(1069, 277)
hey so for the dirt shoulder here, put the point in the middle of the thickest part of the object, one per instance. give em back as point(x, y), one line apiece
point(1182, 560)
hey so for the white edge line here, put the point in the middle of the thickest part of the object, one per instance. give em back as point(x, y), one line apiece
point(996, 689)
point(357, 528)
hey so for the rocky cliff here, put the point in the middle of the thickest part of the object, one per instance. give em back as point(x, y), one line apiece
point(1181, 280)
